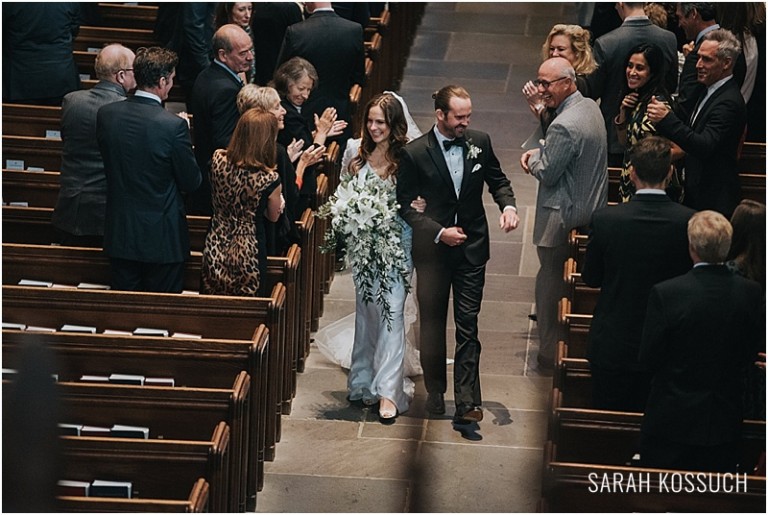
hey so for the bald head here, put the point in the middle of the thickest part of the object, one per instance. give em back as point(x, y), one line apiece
point(114, 63)
point(556, 81)
point(233, 47)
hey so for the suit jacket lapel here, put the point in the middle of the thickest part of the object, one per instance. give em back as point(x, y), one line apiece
point(436, 153)
point(711, 101)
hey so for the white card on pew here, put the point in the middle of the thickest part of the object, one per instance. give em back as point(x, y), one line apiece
point(149, 331)
point(71, 328)
point(40, 329)
point(94, 379)
point(19, 204)
point(14, 164)
point(70, 429)
point(93, 50)
point(52, 134)
point(117, 332)
point(93, 286)
point(68, 487)
point(187, 335)
point(9, 372)
point(101, 488)
point(64, 286)
point(159, 381)
point(126, 379)
point(85, 76)
point(95, 431)
point(35, 169)
point(11, 325)
point(190, 292)
point(121, 431)
point(32, 282)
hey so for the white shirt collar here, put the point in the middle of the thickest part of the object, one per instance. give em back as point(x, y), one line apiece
point(147, 94)
point(651, 191)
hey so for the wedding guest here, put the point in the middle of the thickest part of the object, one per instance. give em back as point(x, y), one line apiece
point(294, 80)
point(449, 167)
point(270, 20)
point(701, 331)
point(570, 42)
point(646, 70)
point(238, 13)
point(240, 176)
point(696, 19)
point(573, 183)
point(81, 204)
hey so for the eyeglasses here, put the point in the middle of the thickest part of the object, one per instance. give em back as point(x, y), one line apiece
point(546, 83)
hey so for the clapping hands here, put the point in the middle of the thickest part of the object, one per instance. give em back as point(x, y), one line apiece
point(328, 124)
point(312, 155)
point(294, 149)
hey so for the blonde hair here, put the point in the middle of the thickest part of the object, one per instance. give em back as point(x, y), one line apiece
point(252, 96)
point(579, 37)
point(709, 235)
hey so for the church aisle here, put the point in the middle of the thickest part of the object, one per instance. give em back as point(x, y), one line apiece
point(337, 458)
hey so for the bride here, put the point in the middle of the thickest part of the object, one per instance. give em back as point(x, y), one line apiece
point(378, 362)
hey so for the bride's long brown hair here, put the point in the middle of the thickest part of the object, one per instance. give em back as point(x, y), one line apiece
point(395, 120)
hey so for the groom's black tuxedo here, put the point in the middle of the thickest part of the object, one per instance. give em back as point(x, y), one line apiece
point(423, 172)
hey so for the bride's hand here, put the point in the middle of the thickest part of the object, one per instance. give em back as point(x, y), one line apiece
point(419, 204)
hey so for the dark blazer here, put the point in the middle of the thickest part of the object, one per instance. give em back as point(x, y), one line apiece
point(701, 330)
point(214, 108)
point(423, 171)
point(37, 50)
point(269, 22)
point(297, 126)
point(631, 247)
point(611, 51)
point(689, 89)
point(83, 193)
point(711, 169)
point(335, 48)
point(149, 162)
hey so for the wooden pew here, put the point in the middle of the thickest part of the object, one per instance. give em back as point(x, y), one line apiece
point(209, 363)
point(752, 158)
point(30, 120)
point(97, 37)
point(583, 298)
point(157, 468)
point(134, 16)
point(196, 502)
point(37, 152)
point(235, 318)
point(37, 189)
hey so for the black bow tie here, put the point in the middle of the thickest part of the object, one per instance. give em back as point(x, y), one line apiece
point(459, 142)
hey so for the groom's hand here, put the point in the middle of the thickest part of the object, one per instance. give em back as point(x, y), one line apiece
point(509, 220)
point(453, 236)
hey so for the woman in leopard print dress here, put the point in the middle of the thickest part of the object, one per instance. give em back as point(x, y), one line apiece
point(240, 176)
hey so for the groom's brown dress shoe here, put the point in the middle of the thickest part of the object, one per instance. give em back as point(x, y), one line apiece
point(435, 403)
point(472, 414)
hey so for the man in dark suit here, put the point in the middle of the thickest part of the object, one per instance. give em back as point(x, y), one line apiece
point(448, 167)
point(149, 163)
point(269, 22)
point(38, 64)
point(79, 211)
point(335, 48)
point(696, 19)
point(711, 137)
point(214, 105)
point(631, 247)
point(701, 331)
point(608, 80)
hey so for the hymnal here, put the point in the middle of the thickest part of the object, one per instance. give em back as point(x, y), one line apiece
point(94, 379)
point(11, 325)
point(71, 328)
point(70, 429)
point(101, 488)
point(49, 134)
point(93, 286)
point(126, 379)
point(117, 332)
point(187, 335)
point(148, 331)
point(40, 329)
point(121, 431)
point(159, 381)
point(95, 431)
point(32, 282)
point(68, 487)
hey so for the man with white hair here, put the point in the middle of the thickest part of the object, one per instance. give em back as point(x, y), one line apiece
point(79, 212)
point(571, 169)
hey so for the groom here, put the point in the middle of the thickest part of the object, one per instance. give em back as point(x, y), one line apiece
point(448, 167)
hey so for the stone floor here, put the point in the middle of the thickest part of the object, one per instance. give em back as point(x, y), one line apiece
point(337, 458)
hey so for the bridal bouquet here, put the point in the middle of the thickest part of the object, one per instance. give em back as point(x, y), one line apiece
point(363, 214)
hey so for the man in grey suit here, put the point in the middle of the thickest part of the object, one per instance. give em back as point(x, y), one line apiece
point(607, 81)
point(571, 169)
point(149, 162)
point(79, 211)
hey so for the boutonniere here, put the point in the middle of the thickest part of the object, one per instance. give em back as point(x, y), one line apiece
point(473, 151)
